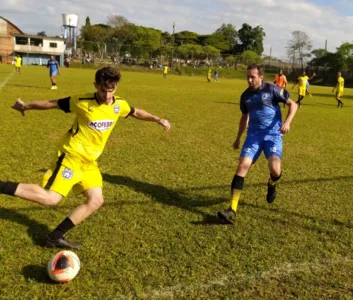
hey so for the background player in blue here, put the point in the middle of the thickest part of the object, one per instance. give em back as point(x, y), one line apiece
point(54, 70)
point(261, 114)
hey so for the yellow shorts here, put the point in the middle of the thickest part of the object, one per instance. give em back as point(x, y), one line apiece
point(18, 66)
point(302, 91)
point(70, 173)
point(339, 94)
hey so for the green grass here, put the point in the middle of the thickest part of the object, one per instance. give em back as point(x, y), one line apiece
point(149, 240)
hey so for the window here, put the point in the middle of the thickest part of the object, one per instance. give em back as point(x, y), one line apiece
point(53, 45)
point(21, 40)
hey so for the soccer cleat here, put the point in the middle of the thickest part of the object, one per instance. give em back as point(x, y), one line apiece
point(271, 193)
point(61, 243)
point(52, 87)
point(227, 215)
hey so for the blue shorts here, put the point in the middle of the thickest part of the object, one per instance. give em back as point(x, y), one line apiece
point(270, 144)
point(53, 73)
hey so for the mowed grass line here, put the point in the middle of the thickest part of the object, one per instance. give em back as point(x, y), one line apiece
point(149, 240)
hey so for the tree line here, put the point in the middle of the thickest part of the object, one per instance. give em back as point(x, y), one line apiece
point(144, 42)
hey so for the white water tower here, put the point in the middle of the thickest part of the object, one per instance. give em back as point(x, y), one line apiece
point(70, 28)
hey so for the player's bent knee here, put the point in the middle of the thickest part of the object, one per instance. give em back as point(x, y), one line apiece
point(96, 203)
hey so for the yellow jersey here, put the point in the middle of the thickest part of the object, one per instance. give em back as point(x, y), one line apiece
point(93, 124)
point(165, 70)
point(340, 84)
point(18, 61)
point(302, 81)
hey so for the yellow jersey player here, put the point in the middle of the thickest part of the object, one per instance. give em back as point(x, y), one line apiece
point(302, 86)
point(339, 89)
point(209, 75)
point(75, 166)
point(18, 64)
point(165, 71)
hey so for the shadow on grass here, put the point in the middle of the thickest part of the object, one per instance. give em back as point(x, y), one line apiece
point(36, 231)
point(28, 86)
point(283, 182)
point(37, 273)
point(165, 195)
point(224, 102)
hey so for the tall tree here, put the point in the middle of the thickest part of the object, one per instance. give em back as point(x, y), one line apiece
point(251, 39)
point(117, 21)
point(298, 48)
point(229, 33)
point(88, 21)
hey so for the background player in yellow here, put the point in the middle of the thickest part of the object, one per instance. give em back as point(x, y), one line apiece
point(75, 165)
point(302, 86)
point(209, 75)
point(18, 64)
point(165, 71)
point(339, 89)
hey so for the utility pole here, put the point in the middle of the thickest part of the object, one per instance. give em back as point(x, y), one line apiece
point(171, 64)
point(325, 45)
point(270, 57)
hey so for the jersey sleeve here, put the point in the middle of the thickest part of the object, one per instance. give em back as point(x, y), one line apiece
point(68, 104)
point(280, 95)
point(125, 109)
point(243, 107)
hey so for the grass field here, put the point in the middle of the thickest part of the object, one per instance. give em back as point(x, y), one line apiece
point(150, 240)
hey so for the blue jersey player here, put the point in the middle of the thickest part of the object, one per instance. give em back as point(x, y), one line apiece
point(261, 114)
point(54, 70)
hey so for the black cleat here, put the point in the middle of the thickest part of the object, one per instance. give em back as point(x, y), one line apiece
point(60, 243)
point(271, 193)
point(227, 215)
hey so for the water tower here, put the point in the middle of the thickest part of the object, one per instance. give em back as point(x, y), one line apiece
point(70, 31)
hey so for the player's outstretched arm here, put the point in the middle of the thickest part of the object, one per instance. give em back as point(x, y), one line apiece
point(36, 105)
point(146, 116)
point(243, 124)
point(292, 109)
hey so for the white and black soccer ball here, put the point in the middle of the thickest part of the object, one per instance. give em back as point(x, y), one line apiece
point(63, 266)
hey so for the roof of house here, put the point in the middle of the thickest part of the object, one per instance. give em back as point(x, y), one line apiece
point(12, 24)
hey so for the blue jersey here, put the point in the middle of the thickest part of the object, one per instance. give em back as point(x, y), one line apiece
point(262, 105)
point(53, 65)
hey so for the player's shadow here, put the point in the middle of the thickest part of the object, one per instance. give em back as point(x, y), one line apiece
point(27, 86)
point(225, 102)
point(37, 273)
point(311, 223)
point(36, 231)
point(168, 196)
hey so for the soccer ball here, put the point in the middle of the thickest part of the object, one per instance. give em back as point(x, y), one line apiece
point(63, 266)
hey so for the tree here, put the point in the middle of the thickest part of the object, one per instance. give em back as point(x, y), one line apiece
point(117, 21)
point(216, 40)
point(251, 39)
point(88, 21)
point(251, 57)
point(41, 33)
point(229, 33)
point(186, 37)
point(298, 48)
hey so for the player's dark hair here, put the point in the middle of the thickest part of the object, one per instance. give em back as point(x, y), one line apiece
point(108, 76)
point(259, 68)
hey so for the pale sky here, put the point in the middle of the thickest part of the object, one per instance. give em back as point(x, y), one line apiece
point(320, 19)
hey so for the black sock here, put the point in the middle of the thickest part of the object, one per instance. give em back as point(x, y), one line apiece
point(274, 179)
point(8, 188)
point(237, 183)
point(63, 227)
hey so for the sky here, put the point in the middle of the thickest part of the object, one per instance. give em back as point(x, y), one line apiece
point(321, 19)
